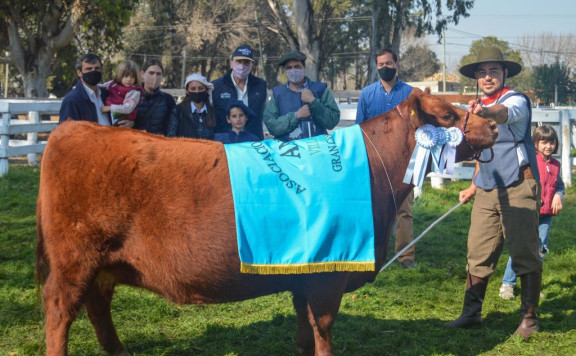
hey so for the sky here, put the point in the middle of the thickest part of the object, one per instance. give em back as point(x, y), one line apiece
point(508, 20)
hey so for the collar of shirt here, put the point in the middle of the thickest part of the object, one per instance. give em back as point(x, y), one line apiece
point(304, 85)
point(95, 98)
point(241, 93)
point(195, 109)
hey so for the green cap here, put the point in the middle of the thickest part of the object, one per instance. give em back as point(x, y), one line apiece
point(292, 55)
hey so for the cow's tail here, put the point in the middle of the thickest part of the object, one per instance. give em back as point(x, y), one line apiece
point(42, 266)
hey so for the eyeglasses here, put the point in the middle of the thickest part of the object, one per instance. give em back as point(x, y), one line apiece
point(492, 73)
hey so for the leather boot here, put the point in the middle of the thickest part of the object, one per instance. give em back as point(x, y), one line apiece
point(530, 294)
point(471, 317)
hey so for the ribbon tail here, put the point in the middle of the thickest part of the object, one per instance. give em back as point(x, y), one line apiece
point(410, 169)
point(436, 152)
point(450, 154)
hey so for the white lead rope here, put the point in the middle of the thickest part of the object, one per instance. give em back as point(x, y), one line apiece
point(420, 236)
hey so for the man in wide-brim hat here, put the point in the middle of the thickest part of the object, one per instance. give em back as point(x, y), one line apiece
point(507, 191)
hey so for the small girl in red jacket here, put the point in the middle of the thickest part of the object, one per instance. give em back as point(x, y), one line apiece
point(123, 92)
point(553, 189)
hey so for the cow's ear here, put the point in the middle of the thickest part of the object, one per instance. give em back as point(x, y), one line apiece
point(427, 90)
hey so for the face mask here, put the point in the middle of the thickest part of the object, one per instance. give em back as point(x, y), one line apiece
point(200, 97)
point(152, 82)
point(295, 75)
point(387, 74)
point(241, 71)
point(92, 78)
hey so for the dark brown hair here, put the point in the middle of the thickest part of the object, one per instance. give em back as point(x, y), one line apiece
point(547, 134)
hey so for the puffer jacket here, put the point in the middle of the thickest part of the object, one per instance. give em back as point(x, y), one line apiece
point(153, 111)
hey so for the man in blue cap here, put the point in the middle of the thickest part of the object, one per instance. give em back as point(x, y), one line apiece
point(240, 84)
point(300, 108)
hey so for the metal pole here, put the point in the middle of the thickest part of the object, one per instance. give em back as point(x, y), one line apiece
point(6, 80)
point(444, 61)
point(261, 62)
point(183, 67)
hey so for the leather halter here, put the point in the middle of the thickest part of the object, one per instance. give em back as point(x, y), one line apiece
point(477, 153)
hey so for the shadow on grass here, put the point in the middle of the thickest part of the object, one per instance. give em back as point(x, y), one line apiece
point(353, 335)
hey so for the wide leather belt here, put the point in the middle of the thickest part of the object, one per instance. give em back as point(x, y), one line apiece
point(525, 172)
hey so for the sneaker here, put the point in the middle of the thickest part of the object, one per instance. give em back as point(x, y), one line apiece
point(409, 264)
point(507, 291)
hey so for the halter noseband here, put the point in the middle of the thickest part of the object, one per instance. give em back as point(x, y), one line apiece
point(477, 153)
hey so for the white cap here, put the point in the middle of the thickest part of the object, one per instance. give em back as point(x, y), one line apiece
point(199, 78)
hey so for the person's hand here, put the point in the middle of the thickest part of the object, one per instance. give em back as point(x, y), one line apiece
point(303, 112)
point(307, 96)
point(467, 194)
point(125, 123)
point(105, 109)
point(475, 107)
point(556, 204)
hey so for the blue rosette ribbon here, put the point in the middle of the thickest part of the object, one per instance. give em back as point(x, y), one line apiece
point(454, 137)
point(429, 143)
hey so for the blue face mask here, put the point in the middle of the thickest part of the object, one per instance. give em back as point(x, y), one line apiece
point(295, 76)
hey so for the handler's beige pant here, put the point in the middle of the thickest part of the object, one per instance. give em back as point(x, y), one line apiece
point(507, 215)
point(405, 229)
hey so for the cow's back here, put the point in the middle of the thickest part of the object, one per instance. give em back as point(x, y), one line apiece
point(141, 209)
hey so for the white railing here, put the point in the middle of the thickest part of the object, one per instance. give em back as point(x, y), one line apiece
point(10, 125)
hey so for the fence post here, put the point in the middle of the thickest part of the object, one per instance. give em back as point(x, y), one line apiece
point(32, 137)
point(4, 142)
point(565, 154)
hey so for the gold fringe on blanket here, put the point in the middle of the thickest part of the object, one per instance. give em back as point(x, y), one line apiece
point(302, 268)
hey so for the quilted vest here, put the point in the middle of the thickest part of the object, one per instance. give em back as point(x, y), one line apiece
point(289, 101)
point(504, 169)
point(116, 95)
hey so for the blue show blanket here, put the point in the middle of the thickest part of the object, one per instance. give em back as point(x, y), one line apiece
point(303, 206)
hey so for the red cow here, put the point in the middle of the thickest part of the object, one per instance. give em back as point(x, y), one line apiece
point(118, 206)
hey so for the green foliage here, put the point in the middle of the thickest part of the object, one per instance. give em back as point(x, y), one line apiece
point(519, 82)
point(417, 63)
point(550, 78)
point(401, 313)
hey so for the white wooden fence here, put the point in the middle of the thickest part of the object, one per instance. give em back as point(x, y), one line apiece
point(562, 120)
point(34, 109)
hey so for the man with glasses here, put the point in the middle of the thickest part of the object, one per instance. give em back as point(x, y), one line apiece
point(507, 191)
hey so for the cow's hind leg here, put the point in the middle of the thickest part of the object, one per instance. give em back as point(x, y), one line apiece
point(322, 303)
point(98, 306)
point(62, 300)
point(304, 333)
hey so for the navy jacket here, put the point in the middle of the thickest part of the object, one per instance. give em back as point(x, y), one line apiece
point(232, 137)
point(224, 92)
point(77, 105)
point(154, 111)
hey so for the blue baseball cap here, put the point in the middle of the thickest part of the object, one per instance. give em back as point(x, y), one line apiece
point(243, 52)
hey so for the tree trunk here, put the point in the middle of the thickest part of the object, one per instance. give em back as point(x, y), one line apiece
point(309, 42)
point(32, 53)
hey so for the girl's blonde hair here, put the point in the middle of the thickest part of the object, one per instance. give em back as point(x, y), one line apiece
point(547, 134)
point(127, 67)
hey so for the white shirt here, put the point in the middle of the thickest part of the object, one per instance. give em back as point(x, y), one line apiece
point(242, 94)
point(103, 119)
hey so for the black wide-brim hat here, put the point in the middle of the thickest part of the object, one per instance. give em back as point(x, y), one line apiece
point(490, 54)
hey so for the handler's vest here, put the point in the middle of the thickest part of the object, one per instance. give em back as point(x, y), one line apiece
point(504, 169)
point(289, 101)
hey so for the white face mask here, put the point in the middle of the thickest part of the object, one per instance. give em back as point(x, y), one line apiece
point(295, 76)
point(241, 71)
point(152, 81)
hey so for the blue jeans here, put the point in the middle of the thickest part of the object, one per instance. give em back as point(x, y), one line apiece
point(544, 224)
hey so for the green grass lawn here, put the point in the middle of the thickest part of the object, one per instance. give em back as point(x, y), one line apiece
point(400, 314)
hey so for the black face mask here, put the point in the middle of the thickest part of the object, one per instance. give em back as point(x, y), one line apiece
point(92, 78)
point(386, 73)
point(200, 97)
